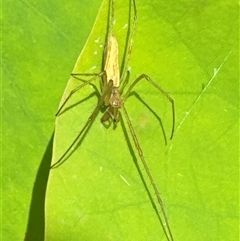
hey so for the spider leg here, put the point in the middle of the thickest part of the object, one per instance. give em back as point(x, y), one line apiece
point(89, 120)
point(140, 153)
point(78, 88)
point(146, 77)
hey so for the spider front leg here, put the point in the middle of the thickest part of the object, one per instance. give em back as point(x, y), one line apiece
point(96, 76)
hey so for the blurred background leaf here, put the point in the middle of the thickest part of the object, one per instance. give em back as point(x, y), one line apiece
point(181, 45)
point(41, 41)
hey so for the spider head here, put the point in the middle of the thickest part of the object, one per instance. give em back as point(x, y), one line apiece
point(112, 113)
point(115, 99)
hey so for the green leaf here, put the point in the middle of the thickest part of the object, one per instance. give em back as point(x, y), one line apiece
point(41, 41)
point(97, 193)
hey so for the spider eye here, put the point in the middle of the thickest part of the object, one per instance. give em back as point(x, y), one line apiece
point(115, 103)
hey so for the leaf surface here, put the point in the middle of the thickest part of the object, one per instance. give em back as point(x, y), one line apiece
point(97, 193)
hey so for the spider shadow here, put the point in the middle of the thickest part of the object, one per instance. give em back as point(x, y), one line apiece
point(133, 93)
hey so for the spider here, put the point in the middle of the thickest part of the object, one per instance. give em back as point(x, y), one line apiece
point(113, 96)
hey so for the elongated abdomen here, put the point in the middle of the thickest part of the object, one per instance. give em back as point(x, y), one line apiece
point(111, 65)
